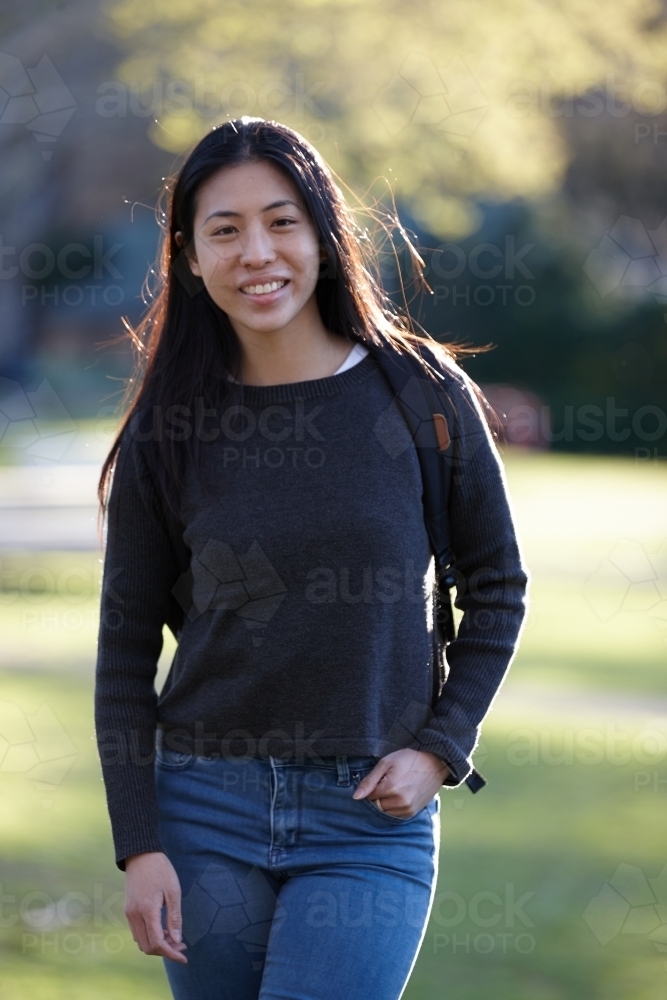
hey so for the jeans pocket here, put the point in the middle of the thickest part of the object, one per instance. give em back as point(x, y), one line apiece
point(377, 810)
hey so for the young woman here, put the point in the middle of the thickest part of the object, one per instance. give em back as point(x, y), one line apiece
point(277, 804)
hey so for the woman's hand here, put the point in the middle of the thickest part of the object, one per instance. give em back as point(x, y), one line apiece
point(151, 882)
point(403, 782)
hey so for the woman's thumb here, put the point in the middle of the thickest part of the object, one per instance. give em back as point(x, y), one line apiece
point(369, 783)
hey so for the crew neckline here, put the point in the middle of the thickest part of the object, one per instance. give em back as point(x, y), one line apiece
point(353, 357)
point(331, 385)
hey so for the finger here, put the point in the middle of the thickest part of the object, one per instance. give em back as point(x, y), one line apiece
point(174, 952)
point(175, 943)
point(385, 789)
point(158, 943)
point(174, 918)
point(370, 782)
point(139, 932)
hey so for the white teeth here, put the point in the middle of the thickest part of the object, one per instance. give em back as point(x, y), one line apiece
point(263, 289)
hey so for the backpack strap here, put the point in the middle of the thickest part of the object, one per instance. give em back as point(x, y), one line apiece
point(429, 414)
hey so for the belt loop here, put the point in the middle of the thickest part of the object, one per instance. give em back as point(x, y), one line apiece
point(343, 770)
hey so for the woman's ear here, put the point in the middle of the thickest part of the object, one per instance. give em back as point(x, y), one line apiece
point(194, 264)
point(190, 255)
point(326, 269)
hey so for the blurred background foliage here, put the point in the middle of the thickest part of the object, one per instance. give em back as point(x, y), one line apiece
point(403, 87)
point(462, 109)
point(526, 141)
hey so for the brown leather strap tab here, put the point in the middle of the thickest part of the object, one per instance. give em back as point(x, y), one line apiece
point(441, 431)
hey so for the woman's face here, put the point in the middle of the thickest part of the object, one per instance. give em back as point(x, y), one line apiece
point(255, 247)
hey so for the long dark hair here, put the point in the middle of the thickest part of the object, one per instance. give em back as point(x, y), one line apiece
point(186, 345)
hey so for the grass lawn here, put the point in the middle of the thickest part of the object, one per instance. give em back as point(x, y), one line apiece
point(548, 878)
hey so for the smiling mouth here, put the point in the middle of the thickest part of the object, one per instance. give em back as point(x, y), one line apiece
point(258, 290)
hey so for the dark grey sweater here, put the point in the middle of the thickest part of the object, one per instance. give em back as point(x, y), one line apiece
point(309, 626)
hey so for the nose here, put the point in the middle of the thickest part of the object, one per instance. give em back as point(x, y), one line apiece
point(257, 248)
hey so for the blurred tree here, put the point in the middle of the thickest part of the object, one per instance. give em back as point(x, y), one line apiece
point(451, 100)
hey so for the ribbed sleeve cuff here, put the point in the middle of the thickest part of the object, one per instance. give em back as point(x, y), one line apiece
point(139, 846)
point(434, 742)
point(134, 818)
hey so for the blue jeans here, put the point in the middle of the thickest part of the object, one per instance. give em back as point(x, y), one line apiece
point(292, 889)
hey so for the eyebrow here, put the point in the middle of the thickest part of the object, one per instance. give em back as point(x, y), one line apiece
point(236, 215)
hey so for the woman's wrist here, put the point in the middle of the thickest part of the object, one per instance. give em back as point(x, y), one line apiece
point(443, 766)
